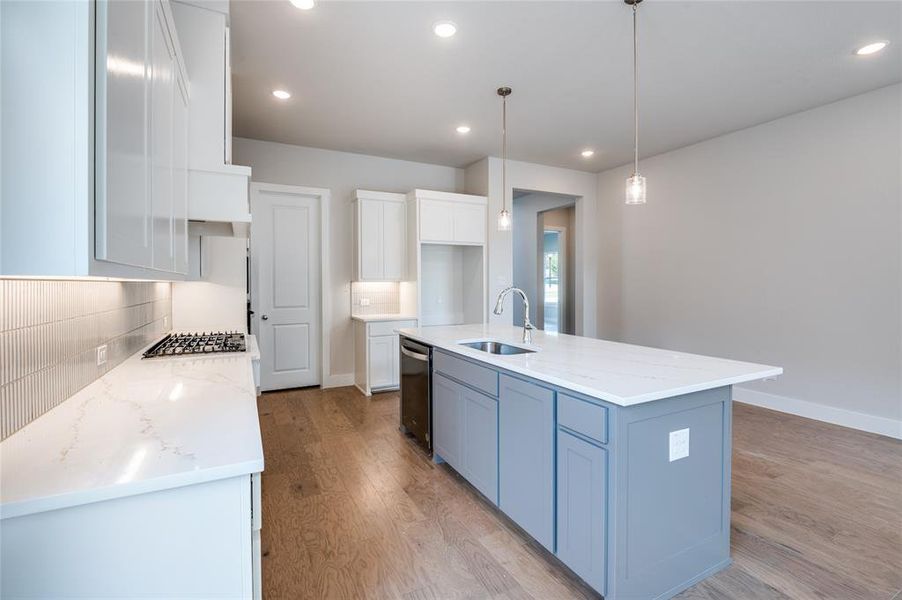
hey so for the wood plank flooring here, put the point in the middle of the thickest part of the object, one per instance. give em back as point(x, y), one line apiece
point(352, 509)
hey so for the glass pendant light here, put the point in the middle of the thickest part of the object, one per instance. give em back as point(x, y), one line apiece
point(635, 183)
point(504, 217)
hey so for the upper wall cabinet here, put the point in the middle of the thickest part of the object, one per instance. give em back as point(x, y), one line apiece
point(141, 138)
point(217, 189)
point(380, 232)
point(95, 104)
point(447, 218)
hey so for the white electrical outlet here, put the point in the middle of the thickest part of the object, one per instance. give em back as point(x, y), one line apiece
point(364, 302)
point(679, 444)
point(101, 355)
point(165, 322)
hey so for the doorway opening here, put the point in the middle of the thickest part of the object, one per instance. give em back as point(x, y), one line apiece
point(544, 243)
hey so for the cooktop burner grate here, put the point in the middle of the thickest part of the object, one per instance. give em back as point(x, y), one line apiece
point(178, 344)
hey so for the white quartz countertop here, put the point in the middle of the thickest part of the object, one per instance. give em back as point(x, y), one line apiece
point(145, 426)
point(621, 374)
point(384, 317)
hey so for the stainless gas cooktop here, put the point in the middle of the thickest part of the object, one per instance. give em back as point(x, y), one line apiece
point(178, 344)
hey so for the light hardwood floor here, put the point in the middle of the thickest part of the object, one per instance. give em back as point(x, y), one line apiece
point(352, 509)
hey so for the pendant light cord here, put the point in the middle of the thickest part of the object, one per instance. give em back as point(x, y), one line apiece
point(635, 91)
point(503, 152)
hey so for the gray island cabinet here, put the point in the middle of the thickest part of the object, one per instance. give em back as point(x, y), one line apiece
point(634, 499)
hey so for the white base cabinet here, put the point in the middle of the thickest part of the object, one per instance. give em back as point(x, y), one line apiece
point(377, 354)
point(195, 541)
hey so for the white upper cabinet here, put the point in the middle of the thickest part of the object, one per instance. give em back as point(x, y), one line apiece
point(141, 136)
point(436, 221)
point(447, 218)
point(99, 123)
point(380, 232)
point(217, 190)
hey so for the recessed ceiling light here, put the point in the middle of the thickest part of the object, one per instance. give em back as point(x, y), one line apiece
point(281, 94)
point(463, 129)
point(587, 153)
point(303, 4)
point(872, 48)
point(444, 29)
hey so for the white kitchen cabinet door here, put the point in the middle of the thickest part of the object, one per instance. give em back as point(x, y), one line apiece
point(382, 361)
point(123, 92)
point(436, 221)
point(394, 241)
point(180, 176)
point(380, 231)
point(469, 223)
point(161, 126)
point(370, 240)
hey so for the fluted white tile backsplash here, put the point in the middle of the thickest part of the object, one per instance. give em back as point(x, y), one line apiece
point(50, 330)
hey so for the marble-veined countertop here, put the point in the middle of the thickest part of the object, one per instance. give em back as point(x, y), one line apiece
point(621, 374)
point(145, 426)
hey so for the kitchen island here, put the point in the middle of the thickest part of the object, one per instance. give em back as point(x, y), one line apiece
point(615, 457)
point(144, 483)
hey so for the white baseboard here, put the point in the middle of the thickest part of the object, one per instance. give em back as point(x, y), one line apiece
point(820, 412)
point(342, 380)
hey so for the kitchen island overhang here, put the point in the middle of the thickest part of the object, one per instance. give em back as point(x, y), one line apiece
point(614, 457)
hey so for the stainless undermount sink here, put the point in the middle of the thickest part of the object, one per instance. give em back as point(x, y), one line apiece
point(496, 347)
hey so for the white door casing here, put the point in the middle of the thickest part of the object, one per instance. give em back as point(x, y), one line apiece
point(287, 283)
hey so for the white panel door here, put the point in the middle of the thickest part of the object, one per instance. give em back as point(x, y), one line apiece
point(285, 259)
point(394, 240)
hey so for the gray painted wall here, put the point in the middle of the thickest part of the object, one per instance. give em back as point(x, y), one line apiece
point(341, 172)
point(777, 244)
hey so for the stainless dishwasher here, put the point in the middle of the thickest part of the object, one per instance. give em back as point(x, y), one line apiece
point(416, 391)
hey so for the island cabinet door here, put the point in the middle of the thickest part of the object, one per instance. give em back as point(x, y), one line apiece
point(581, 502)
point(447, 421)
point(526, 457)
point(480, 442)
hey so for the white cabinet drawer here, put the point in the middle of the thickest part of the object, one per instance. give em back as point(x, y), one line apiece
point(388, 327)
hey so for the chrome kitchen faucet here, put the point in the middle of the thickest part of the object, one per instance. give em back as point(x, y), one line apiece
point(527, 325)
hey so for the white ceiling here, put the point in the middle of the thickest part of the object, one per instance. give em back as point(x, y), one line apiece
point(371, 77)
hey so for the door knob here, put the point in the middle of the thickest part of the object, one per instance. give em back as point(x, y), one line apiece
point(265, 317)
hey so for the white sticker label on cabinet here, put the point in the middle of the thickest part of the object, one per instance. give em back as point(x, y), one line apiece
point(679, 444)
